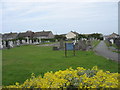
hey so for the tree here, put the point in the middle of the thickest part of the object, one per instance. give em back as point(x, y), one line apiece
point(59, 37)
point(81, 36)
point(96, 36)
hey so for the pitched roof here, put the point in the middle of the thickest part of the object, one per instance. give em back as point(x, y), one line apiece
point(113, 35)
point(75, 32)
point(26, 34)
point(21, 35)
point(9, 35)
point(43, 33)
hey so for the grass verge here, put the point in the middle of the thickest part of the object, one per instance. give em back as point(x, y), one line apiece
point(95, 43)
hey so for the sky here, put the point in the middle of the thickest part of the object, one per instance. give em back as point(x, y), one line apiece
point(60, 17)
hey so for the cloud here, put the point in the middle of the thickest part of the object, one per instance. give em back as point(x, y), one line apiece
point(38, 8)
point(59, 16)
point(15, 6)
point(1, 11)
point(39, 11)
point(24, 12)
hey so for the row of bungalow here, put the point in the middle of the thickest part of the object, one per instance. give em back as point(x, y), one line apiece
point(9, 40)
point(28, 34)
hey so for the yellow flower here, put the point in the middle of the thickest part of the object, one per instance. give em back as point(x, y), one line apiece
point(70, 77)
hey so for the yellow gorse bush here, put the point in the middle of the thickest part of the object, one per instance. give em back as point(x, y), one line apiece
point(72, 78)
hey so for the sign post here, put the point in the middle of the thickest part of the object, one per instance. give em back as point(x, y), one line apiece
point(69, 46)
point(65, 50)
point(74, 49)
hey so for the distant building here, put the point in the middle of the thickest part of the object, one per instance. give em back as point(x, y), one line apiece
point(43, 35)
point(9, 36)
point(71, 35)
point(9, 40)
point(28, 34)
point(111, 37)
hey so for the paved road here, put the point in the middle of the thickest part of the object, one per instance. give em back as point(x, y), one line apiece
point(103, 50)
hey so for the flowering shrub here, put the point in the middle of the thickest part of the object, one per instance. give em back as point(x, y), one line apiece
point(72, 78)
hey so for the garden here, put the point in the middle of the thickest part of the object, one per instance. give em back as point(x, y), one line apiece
point(20, 62)
point(72, 78)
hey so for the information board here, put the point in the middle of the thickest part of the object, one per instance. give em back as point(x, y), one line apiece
point(69, 46)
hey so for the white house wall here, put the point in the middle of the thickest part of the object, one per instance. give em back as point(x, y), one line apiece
point(50, 35)
point(112, 41)
point(70, 35)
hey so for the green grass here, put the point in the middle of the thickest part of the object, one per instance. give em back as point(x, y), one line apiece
point(20, 62)
point(95, 43)
point(107, 43)
point(113, 45)
point(117, 51)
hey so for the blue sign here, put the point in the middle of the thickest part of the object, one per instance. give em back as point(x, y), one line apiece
point(69, 46)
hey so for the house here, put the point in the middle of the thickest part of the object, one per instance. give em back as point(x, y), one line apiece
point(8, 39)
point(27, 34)
point(9, 36)
point(111, 37)
point(114, 35)
point(43, 35)
point(71, 35)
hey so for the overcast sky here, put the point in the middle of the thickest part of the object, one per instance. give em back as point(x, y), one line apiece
point(59, 17)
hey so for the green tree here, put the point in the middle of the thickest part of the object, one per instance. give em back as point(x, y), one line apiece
point(59, 37)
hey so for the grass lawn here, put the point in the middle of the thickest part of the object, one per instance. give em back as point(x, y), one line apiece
point(95, 43)
point(117, 51)
point(20, 62)
point(113, 45)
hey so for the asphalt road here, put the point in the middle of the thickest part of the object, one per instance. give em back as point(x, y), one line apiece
point(103, 50)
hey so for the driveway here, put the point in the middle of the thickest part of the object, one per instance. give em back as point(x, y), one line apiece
point(103, 50)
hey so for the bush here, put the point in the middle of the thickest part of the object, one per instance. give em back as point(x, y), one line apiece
point(48, 40)
point(72, 78)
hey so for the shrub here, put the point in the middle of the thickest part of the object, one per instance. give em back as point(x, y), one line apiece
point(50, 40)
point(72, 78)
